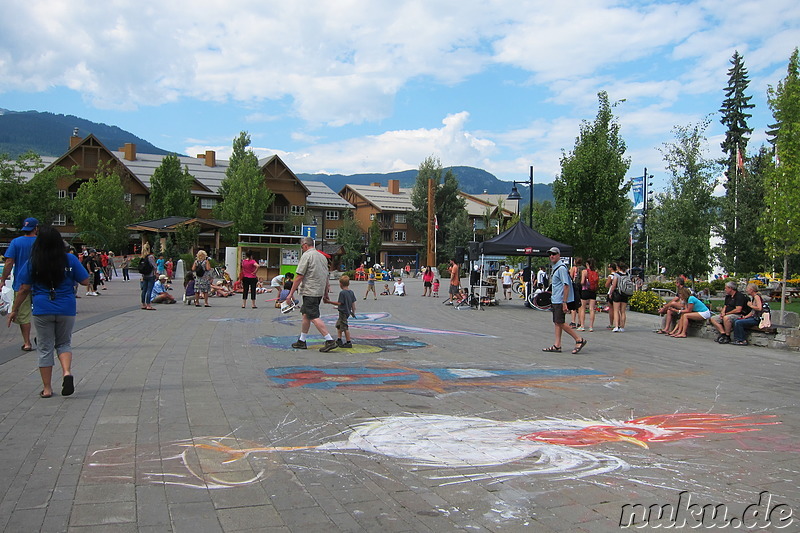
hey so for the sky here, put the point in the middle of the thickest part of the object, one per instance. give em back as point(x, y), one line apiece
point(356, 86)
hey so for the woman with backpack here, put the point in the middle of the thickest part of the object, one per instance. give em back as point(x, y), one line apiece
point(589, 282)
point(575, 274)
point(618, 298)
point(147, 268)
point(203, 276)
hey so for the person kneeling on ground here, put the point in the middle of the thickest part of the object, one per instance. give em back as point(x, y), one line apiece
point(159, 295)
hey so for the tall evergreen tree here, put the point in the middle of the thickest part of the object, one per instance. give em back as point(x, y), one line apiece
point(737, 225)
point(680, 224)
point(171, 191)
point(591, 191)
point(780, 223)
point(448, 206)
point(245, 196)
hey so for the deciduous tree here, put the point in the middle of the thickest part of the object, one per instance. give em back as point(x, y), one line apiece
point(680, 224)
point(36, 197)
point(171, 191)
point(591, 191)
point(100, 209)
point(351, 239)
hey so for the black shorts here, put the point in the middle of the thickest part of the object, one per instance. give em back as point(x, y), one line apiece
point(310, 306)
point(559, 317)
point(617, 296)
point(586, 294)
point(427, 283)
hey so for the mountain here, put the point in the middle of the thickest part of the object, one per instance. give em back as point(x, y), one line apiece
point(470, 179)
point(48, 134)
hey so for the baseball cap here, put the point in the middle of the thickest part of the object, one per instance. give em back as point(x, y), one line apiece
point(29, 225)
point(554, 250)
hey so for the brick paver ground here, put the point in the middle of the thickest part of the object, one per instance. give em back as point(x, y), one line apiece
point(189, 419)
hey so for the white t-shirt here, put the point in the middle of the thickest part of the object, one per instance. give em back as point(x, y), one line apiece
point(399, 287)
point(507, 277)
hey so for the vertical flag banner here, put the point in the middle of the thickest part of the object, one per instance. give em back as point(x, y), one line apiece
point(436, 221)
point(638, 192)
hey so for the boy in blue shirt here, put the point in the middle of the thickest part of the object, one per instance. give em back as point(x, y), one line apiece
point(347, 308)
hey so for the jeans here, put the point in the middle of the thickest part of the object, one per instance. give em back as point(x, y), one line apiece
point(147, 288)
point(739, 327)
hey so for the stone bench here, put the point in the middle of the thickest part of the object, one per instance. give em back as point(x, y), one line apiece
point(784, 333)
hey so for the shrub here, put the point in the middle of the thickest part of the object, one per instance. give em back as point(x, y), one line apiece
point(645, 302)
point(444, 272)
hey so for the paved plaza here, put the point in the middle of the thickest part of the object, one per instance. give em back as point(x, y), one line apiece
point(438, 419)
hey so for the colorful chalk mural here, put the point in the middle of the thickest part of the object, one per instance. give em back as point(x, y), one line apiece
point(448, 449)
point(388, 376)
point(372, 321)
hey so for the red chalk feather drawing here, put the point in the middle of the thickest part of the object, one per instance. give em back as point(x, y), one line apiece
point(473, 448)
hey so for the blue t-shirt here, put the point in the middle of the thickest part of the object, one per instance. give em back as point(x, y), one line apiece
point(64, 301)
point(560, 277)
point(19, 250)
point(158, 288)
point(161, 265)
point(346, 300)
point(699, 306)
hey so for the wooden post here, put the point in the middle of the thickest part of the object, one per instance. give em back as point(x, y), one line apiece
point(431, 228)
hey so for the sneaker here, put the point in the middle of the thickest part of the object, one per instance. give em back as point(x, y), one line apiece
point(339, 343)
point(347, 345)
point(615, 330)
point(329, 345)
point(580, 328)
point(621, 330)
point(725, 340)
point(300, 345)
point(591, 329)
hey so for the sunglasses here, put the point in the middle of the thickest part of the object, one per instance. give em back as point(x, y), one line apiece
point(551, 253)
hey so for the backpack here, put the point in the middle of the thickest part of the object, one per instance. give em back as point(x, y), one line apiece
point(625, 285)
point(593, 279)
point(199, 271)
point(145, 267)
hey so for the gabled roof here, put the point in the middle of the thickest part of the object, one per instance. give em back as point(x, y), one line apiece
point(145, 165)
point(170, 224)
point(275, 166)
point(380, 197)
point(323, 196)
point(476, 204)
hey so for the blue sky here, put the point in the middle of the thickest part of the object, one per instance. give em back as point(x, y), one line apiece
point(377, 86)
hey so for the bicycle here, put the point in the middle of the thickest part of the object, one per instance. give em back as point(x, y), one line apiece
point(540, 301)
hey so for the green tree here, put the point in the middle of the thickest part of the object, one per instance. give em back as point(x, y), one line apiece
point(780, 223)
point(245, 196)
point(737, 226)
point(375, 240)
point(459, 233)
point(448, 204)
point(591, 191)
point(100, 208)
point(680, 224)
point(171, 191)
point(36, 197)
point(351, 239)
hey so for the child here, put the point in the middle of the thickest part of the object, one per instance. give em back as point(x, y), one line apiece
point(347, 308)
point(371, 284)
point(188, 288)
point(385, 291)
point(436, 288)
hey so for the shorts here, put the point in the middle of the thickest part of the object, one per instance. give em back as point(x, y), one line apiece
point(506, 287)
point(617, 296)
point(310, 307)
point(559, 317)
point(427, 284)
point(586, 294)
point(54, 335)
point(24, 311)
point(341, 323)
point(454, 290)
point(706, 314)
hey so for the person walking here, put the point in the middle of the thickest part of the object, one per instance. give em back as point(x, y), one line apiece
point(48, 279)
point(311, 277)
point(125, 265)
point(371, 283)
point(562, 294)
point(17, 255)
point(249, 278)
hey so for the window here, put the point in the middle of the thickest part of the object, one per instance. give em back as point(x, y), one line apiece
point(331, 215)
point(298, 210)
point(128, 197)
point(207, 203)
point(399, 235)
point(331, 234)
point(400, 218)
point(372, 216)
point(62, 193)
point(60, 220)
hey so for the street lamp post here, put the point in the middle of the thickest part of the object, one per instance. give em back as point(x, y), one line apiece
point(515, 195)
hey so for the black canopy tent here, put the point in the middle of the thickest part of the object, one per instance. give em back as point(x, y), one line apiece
point(522, 240)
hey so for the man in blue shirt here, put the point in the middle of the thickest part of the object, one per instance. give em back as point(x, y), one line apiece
point(17, 256)
point(562, 295)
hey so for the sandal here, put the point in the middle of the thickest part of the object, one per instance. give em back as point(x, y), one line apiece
point(552, 348)
point(579, 345)
point(741, 343)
